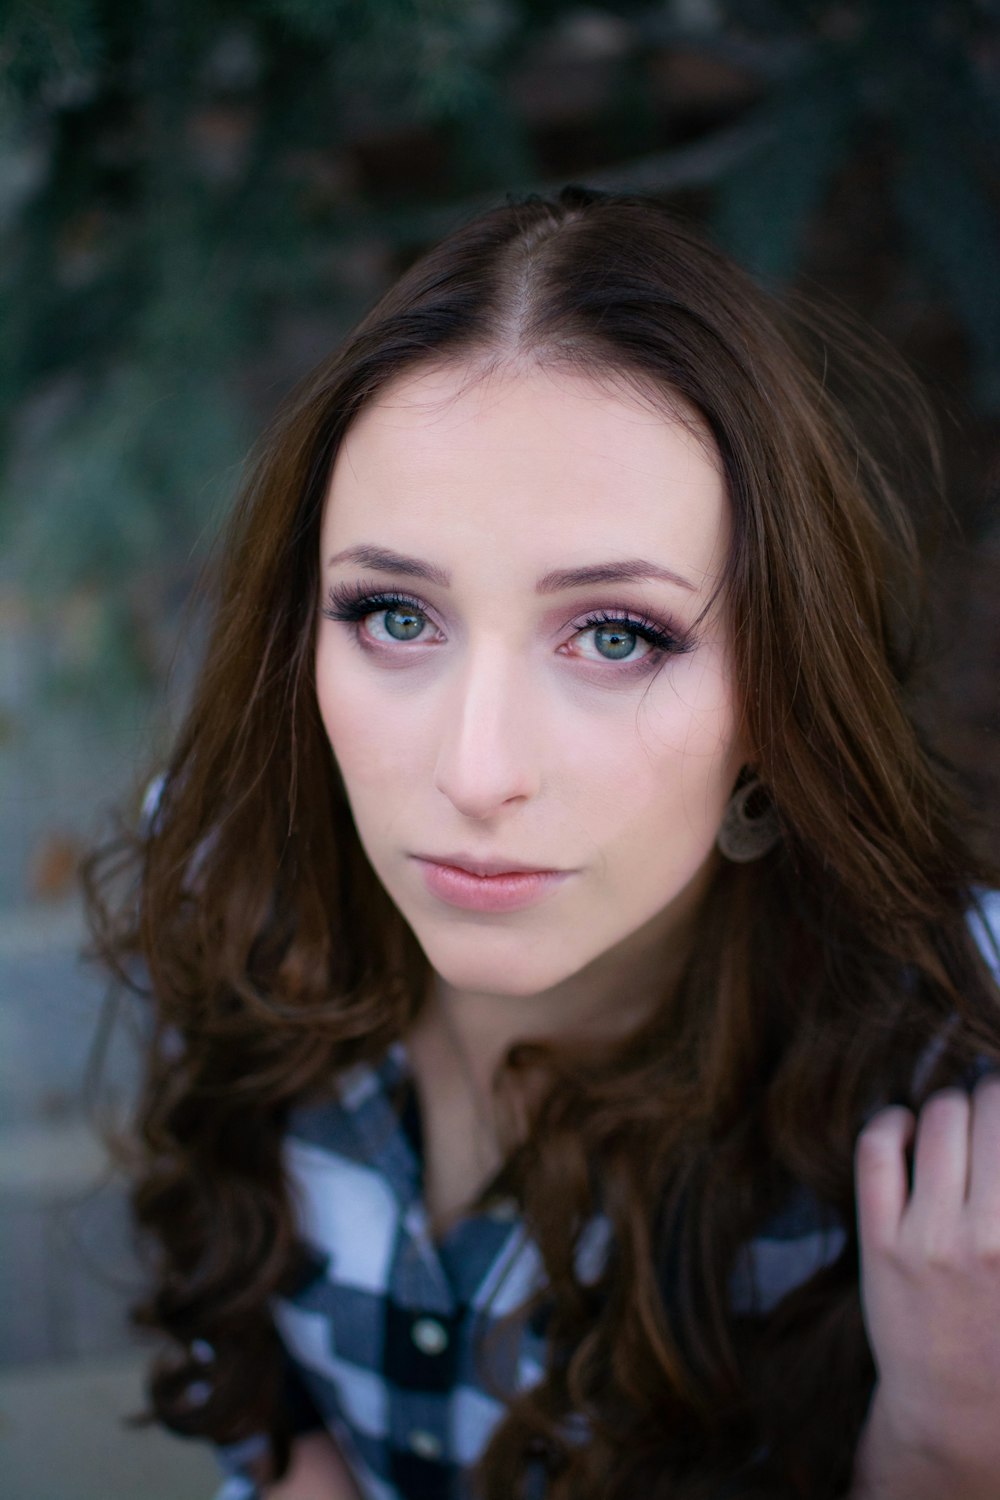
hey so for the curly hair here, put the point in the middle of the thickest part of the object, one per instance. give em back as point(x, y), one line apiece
point(817, 979)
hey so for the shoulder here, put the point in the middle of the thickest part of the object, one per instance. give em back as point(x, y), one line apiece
point(347, 1158)
point(806, 1235)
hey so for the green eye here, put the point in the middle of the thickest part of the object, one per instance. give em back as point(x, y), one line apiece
point(410, 623)
point(621, 642)
point(615, 632)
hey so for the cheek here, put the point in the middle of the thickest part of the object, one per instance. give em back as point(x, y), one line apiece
point(362, 726)
point(684, 761)
point(690, 730)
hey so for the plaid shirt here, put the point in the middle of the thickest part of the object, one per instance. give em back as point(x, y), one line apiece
point(384, 1329)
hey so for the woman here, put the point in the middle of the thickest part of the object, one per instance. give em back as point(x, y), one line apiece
point(463, 1181)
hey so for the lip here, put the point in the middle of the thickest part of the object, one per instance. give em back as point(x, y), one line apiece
point(506, 891)
point(474, 866)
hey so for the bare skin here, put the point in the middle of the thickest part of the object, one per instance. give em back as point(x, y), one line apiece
point(502, 725)
point(317, 1472)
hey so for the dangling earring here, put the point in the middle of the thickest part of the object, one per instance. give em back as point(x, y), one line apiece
point(748, 829)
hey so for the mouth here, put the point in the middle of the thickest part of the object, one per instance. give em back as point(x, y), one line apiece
point(468, 864)
point(502, 889)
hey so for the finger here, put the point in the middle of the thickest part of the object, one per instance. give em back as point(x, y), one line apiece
point(881, 1175)
point(984, 1150)
point(940, 1159)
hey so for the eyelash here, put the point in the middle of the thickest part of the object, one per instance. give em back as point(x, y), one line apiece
point(351, 606)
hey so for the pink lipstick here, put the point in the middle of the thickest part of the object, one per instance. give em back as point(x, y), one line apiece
point(510, 890)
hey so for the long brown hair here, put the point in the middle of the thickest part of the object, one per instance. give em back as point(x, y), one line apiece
point(273, 958)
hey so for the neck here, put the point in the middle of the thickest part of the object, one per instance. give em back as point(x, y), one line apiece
point(608, 999)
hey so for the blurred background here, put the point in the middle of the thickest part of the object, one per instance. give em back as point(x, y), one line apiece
point(196, 200)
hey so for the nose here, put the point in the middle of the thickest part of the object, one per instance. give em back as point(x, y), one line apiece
point(485, 756)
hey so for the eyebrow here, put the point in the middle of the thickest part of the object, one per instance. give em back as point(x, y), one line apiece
point(386, 561)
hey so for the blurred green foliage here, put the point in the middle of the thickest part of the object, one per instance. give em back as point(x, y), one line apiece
point(197, 198)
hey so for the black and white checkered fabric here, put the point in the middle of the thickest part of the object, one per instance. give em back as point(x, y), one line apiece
point(383, 1335)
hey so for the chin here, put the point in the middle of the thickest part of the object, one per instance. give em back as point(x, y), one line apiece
point(516, 973)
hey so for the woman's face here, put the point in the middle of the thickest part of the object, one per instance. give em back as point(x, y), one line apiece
point(499, 711)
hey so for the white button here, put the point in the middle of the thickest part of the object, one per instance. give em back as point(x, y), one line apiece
point(424, 1443)
point(429, 1336)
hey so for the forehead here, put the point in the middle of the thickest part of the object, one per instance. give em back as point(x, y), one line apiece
point(529, 461)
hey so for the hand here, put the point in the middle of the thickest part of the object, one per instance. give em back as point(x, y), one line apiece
point(930, 1289)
